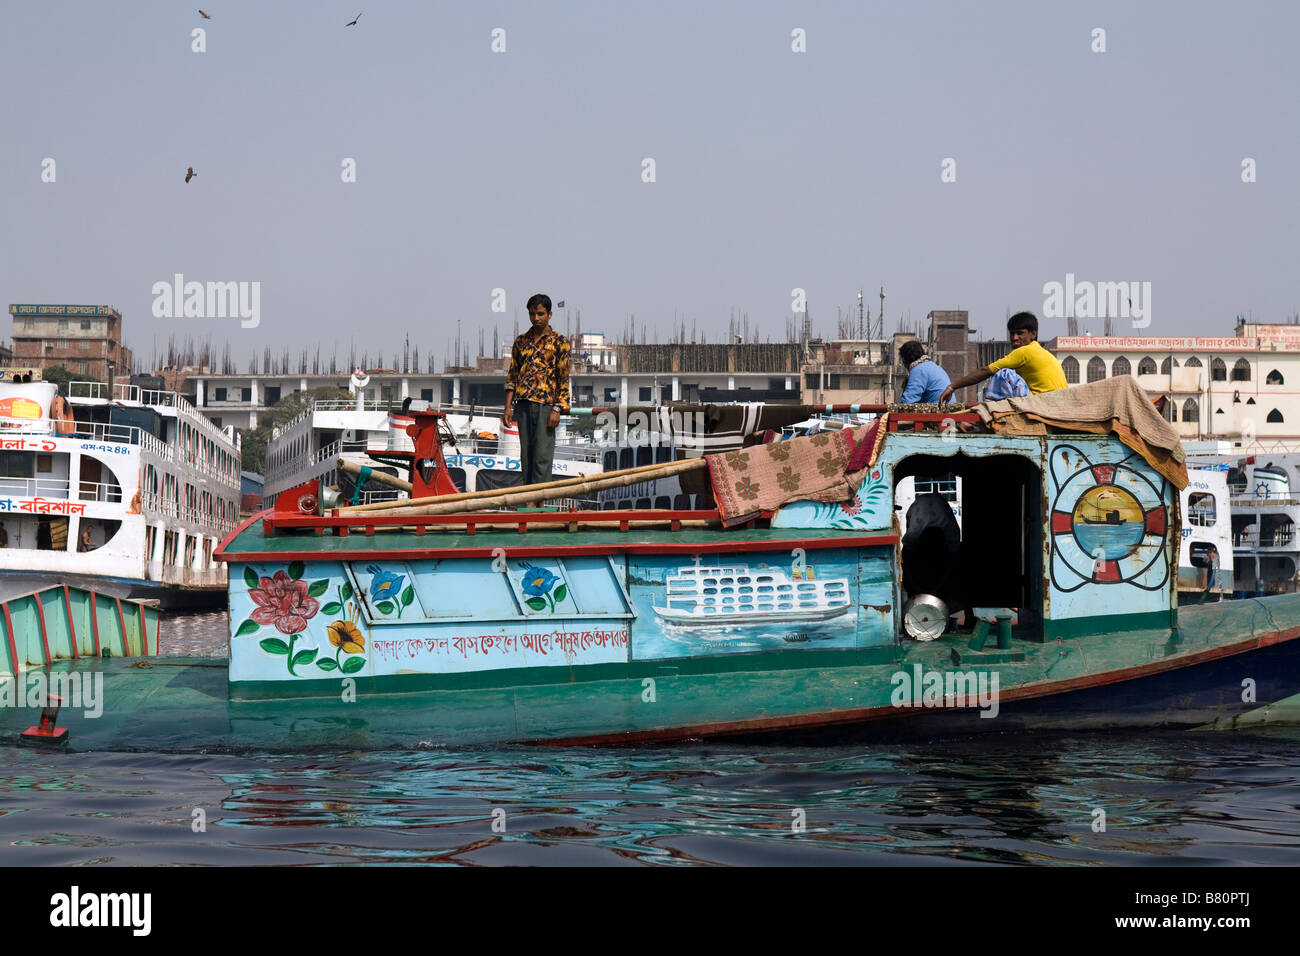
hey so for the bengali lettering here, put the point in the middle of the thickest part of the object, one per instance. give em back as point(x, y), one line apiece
point(542, 642)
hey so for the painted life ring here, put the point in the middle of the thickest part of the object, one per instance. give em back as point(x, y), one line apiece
point(1109, 522)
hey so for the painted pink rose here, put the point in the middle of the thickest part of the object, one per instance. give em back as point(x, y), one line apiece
point(283, 603)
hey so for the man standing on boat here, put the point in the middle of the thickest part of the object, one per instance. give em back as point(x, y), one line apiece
point(1037, 366)
point(925, 379)
point(537, 390)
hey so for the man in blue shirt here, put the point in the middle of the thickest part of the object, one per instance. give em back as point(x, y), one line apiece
point(926, 382)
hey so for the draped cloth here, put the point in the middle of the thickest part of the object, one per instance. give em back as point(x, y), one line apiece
point(825, 467)
point(1116, 406)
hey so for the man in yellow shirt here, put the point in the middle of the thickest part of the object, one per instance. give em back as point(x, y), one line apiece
point(1037, 366)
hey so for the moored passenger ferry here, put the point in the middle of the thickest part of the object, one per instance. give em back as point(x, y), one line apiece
point(123, 490)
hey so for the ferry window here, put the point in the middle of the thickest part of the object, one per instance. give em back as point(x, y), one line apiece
point(1096, 369)
point(1191, 411)
point(44, 464)
point(610, 461)
point(1274, 378)
point(1121, 367)
point(625, 458)
point(682, 503)
point(16, 464)
point(644, 394)
point(1241, 371)
point(663, 502)
point(645, 456)
point(1071, 368)
point(1147, 366)
point(1274, 417)
point(663, 453)
point(643, 504)
point(1201, 509)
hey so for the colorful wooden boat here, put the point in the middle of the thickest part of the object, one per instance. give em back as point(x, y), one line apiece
point(404, 629)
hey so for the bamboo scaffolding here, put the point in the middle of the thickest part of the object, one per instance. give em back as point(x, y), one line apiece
point(525, 494)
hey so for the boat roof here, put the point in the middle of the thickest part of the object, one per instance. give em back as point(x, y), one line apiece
point(249, 543)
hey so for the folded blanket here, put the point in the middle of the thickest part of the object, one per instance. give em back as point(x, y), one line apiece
point(1116, 406)
point(822, 467)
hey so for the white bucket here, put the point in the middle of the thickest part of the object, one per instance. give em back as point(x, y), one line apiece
point(508, 442)
point(398, 438)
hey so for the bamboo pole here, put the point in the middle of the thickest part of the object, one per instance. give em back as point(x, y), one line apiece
point(598, 524)
point(529, 494)
point(352, 468)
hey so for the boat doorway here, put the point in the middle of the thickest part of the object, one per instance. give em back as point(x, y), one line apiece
point(993, 557)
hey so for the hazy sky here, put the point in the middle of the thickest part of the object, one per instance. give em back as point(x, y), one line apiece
point(523, 170)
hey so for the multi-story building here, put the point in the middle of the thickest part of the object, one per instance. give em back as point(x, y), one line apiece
point(84, 339)
point(1244, 389)
point(601, 376)
point(850, 372)
point(6, 355)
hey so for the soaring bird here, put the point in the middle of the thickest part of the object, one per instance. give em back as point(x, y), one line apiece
point(204, 15)
point(354, 22)
point(190, 174)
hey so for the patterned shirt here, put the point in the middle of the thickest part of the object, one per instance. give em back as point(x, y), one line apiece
point(539, 368)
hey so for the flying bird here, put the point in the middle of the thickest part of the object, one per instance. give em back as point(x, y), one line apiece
point(190, 174)
point(204, 15)
point(354, 22)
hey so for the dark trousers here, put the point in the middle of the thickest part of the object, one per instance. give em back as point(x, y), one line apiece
point(536, 441)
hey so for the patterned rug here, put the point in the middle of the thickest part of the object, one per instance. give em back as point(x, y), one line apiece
point(822, 467)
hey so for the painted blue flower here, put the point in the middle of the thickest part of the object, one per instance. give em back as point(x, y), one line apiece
point(538, 581)
point(384, 584)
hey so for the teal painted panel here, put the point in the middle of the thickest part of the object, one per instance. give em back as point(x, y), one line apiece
point(27, 624)
point(594, 586)
point(57, 631)
point(459, 589)
point(292, 623)
point(872, 507)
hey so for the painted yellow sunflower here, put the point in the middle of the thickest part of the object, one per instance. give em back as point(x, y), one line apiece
point(347, 636)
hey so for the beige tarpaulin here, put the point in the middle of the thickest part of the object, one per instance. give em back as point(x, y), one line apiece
point(1117, 406)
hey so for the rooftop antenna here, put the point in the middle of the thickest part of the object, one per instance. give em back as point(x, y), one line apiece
point(862, 322)
point(881, 317)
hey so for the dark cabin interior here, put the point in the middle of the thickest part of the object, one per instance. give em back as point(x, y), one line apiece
point(1000, 560)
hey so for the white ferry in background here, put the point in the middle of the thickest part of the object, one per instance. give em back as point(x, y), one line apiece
point(736, 594)
point(1205, 556)
point(122, 490)
point(1265, 511)
point(481, 453)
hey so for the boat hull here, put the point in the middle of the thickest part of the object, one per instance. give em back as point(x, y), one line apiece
point(1144, 680)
